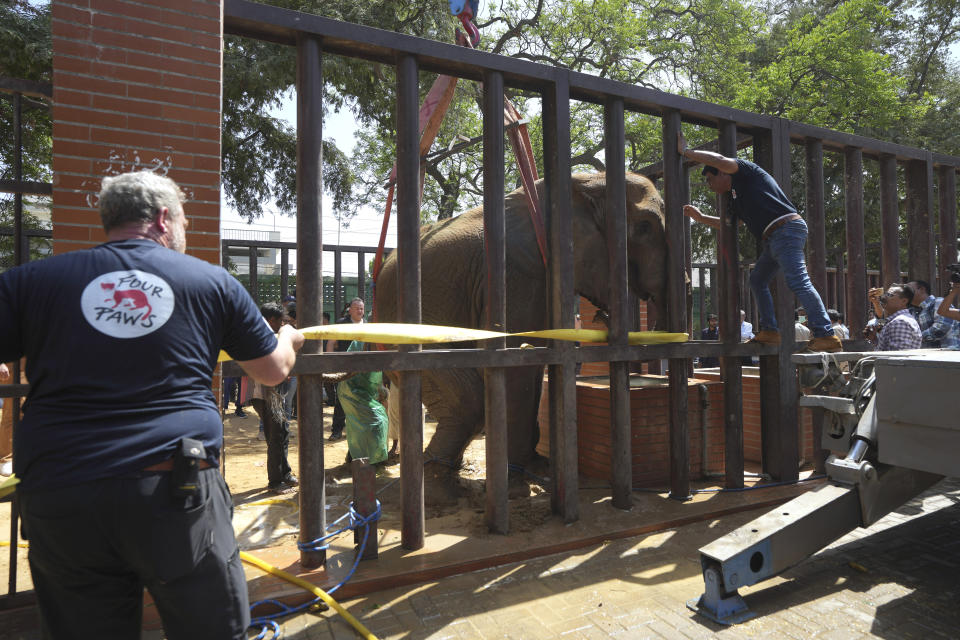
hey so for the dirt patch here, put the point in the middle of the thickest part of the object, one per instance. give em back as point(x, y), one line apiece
point(262, 519)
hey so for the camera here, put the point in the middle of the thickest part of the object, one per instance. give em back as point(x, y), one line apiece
point(954, 273)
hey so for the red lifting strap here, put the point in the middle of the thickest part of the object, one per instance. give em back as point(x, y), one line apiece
point(432, 112)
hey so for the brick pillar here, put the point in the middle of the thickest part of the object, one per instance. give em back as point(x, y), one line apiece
point(136, 86)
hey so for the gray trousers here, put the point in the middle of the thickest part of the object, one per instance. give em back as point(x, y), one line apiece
point(94, 547)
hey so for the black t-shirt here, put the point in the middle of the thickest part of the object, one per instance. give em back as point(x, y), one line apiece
point(757, 198)
point(121, 341)
point(343, 345)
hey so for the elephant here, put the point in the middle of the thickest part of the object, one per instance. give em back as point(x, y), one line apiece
point(453, 294)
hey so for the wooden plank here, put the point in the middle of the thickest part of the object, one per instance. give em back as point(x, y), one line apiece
point(496, 510)
point(621, 460)
point(947, 244)
point(313, 519)
point(26, 187)
point(889, 221)
point(253, 285)
point(919, 221)
point(285, 274)
point(562, 381)
point(728, 289)
point(677, 306)
point(514, 357)
point(361, 275)
point(778, 403)
point(338, 301)
point(816, 222)
point(365, 504)
point(408, 267)
point(856, 250)
point(26, 87)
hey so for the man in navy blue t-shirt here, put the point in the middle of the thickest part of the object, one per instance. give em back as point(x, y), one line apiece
point(758, 202)
point(118, 448)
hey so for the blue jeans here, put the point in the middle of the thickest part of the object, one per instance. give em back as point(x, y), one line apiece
point(784, 250)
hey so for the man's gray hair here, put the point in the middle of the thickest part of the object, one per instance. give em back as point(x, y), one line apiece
point(137, 197)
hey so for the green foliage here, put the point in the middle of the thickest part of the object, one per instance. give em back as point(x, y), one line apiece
point(876, 68)
point(25, 52)
point(827, 73)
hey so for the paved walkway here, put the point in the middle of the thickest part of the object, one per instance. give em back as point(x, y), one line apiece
point(899, 579)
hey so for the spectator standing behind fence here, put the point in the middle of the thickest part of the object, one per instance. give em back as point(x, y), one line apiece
point(290, 397)
point(353, 313)
point(839, 329)
point(899, 329)
point(268, 403)
point(366, 421)
point(118, 448)
point(746, 328)
point(710, 332)
point(758, 202)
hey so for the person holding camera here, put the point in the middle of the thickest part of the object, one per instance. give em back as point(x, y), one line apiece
point(937, 331)
point(897, 328)
point(946, 308)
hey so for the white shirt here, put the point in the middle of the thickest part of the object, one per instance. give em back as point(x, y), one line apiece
point(746, 331)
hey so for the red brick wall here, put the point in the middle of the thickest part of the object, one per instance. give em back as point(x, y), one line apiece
point(751, 419)
point(650, 431)
point(136, 85)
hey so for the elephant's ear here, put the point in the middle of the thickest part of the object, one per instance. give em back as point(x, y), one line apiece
point(593, 188)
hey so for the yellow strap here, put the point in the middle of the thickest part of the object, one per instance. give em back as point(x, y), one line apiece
point(399, 333)
point(312, 588)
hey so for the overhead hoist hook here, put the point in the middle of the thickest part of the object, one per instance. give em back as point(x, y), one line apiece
point(466, 11)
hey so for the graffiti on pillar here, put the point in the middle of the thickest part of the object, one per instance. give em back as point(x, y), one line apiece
point(125, 161)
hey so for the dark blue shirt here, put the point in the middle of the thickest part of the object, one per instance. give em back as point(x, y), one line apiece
point(121, 341)
point(757, 198)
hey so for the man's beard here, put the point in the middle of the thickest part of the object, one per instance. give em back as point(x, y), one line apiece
point(178, 238)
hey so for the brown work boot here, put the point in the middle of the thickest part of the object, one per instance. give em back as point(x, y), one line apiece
point(766, 336)
point(828, 344)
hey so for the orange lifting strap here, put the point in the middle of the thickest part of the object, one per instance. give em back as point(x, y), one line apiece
point(432, 112)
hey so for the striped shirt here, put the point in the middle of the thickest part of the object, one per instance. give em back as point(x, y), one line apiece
point(901, 332)
point(936, 330)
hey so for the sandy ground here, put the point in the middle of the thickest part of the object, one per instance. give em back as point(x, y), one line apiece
point(262, 519)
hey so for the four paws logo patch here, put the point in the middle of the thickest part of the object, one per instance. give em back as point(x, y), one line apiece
point(127, 304)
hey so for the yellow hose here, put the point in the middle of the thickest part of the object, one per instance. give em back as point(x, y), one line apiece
point(22, 545)
point(312, 588)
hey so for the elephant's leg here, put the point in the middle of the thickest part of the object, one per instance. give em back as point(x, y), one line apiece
point(454, 398)
point(524, 386)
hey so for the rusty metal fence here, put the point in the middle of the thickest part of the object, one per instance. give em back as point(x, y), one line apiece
point(771, 139)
